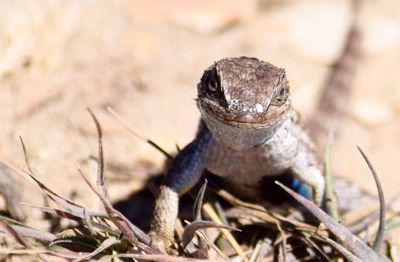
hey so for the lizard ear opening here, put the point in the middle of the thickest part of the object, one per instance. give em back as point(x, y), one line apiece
point(281, 96)
point(281, 90)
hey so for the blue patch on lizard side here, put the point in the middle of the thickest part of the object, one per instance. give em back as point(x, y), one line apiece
point(274, 193)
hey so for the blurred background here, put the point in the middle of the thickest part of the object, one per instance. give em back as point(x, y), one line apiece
point(145, 58)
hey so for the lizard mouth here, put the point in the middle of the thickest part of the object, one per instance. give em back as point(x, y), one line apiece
point(240, 135)
point(235, 133)
point(270, 117)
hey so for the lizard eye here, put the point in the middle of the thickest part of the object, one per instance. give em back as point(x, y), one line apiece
point(212, 84)
point(210, 87)
point(280, 97)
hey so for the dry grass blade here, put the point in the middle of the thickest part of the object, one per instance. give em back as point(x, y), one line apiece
point(119, 222)
point(76, 209)
point(282, 243)
point(234, 201)
point(56, 212)
point(33, 233)
point(261, 213)
point(263, 249)
point(10, 221)
point(359, 248)
point(331, 205)
point(100, 157)
point(158, 258)
point(67, 214)
point(14, 234)
point(212, 245)
point(371, 217)
point(62, 256)
point(122, 223)
point(190, 230)
point(198, 223)
point(104, 245)
point(28, 165)
point(343, 250)
point(310, 242)
point(137, 134)
point(256, 252)
point(198, 202)
point(213, 215)
point(382, 206)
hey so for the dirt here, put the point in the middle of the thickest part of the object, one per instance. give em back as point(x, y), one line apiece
point(144, 59)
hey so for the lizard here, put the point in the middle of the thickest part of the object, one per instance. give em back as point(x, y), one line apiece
point(248, 130)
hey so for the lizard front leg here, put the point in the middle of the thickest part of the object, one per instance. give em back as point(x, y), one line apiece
point(309, 171)
point(184, 173)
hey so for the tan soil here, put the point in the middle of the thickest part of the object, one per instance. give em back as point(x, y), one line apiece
point(145, 59)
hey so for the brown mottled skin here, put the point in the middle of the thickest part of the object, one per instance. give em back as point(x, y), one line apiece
point(247, 131)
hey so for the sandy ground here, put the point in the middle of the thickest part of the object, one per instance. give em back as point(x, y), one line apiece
point(144, 58)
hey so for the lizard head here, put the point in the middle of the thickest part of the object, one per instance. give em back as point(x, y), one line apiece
point(243, 99)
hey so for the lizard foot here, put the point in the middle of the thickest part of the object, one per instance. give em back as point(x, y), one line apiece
point(162, 242)
point(157, 242)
